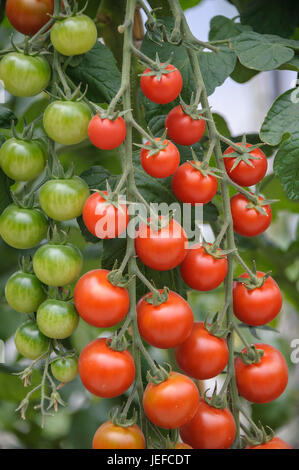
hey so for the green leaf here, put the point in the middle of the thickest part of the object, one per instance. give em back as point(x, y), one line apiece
point(221, 125)
point(225, 28)
point(261, 52)
point(242, 74)
point(282, 118)
point(185, 4)
point(271, 16)
point(97, 69)
point(286, 166)
point(292, 64)
point(216, 67)
point(274, 190)
point(6, 117)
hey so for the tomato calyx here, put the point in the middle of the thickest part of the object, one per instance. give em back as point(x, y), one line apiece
point(155, 145)
point(160, 374)
point(216, 327)
point(192, 109)
point(74, 11)
point(117, 341)
point(258, 435)
point(251, 355)
point(218, 401)
point(253, 281)
point(116, 278)
point(118, 416)
point(243, 154)
point(157, 297)
point(25, 264)
point(259, 203)
point(57, 235)
point(158, 68)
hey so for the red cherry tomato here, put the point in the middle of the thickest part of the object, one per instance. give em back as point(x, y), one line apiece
point(163, 90)
point(162, 164)
point(105, 133)
point(102, 218)
point(171, 403)
point(99, 302)
point(104, 372)
point(202, 355)
point(189, 184)
point(28, 16)
point(166, 325)
point(248, 221)
point(111, 436)
point(257, 306)
point(202, 271)
point(275, 443)
point(210, 428)
point(182, 129)
point(265, 381)
point(244, 174)
point(161, 249)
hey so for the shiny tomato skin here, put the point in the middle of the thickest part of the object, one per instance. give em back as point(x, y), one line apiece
point(105, 133)
point(274, 443)
point(66, 122)
point(244, 174)
point(65, 369)
point(104, 372)
point(190, 185)
point(22, 160)
point(103, 219)
point(74, 35)
point(111, 436)
point(162, 249)
point(162, 164)
point(164, 90)
point(171, 403)
point(99, 302)
point(24, 292)
point(210, 428)
point(248, 222)
point(24, 75)
point(257, 306)
point(29, 341)
point(182, 129)
point(182, 445)
point(28, 16)
point(265, 381)
point(202, 355)
point(57, 319)
point(166, 325)
point(22, 228)
point(201, 271)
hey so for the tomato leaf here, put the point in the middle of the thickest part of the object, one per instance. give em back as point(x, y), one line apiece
point(6, 117)
point(185, 4)
point(286, 166)
point(225, 28)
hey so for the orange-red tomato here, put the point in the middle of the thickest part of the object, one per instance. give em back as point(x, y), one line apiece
point(162, 164)
point(104, 372)
point(244, 174)
point(182, 129)
point(111, 436)
point(162, 90)
point(210, 428)
point(248, 221)
point(190, 185)
point(202, 355)
point(171, 403)
point(105, 133)
point(265, 381)
point(275, 443)
point(28, 16)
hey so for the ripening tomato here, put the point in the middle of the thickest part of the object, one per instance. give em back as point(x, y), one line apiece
point(265, 381)
point(99, 302)
point(161, 249)
point(274, 443)
point(166, 325)
point(28, 16)
point(257, 306)
point(182, 129)
point(24, 75)
point(189, 184)
point(65, 369)
point(29, 341)
point(64, 199)
point(202, 271)
point(248, 221)
point(111, 436)
point(162, 164)
point(202, 355)
point(164, 89)
point(245, 174)
point(74, 35)
point(66, 122)
point(22, 160)
point(182, 445)
point(102, 218)
point(105, 133)
point(171, 403)
point(22, 228)
point(24, 292)
point(57, 319)
point(104, 372)
point(210, 428)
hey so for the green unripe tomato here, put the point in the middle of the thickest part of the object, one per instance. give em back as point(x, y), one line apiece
point(57, 319)
point(24, 75)
point(24, 292)
point(65, 369)
point(22, 160)
point(63, 199)
point(22, 228)
point(74, 35)
point(29, 341)
point(66, 122)
point(57, 265)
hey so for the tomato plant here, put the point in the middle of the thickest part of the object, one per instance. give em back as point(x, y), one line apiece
point(111, 436)
point(192, 185)
point(106, 134)
point(28, 16)
point(162, 89)
point(182, 128)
